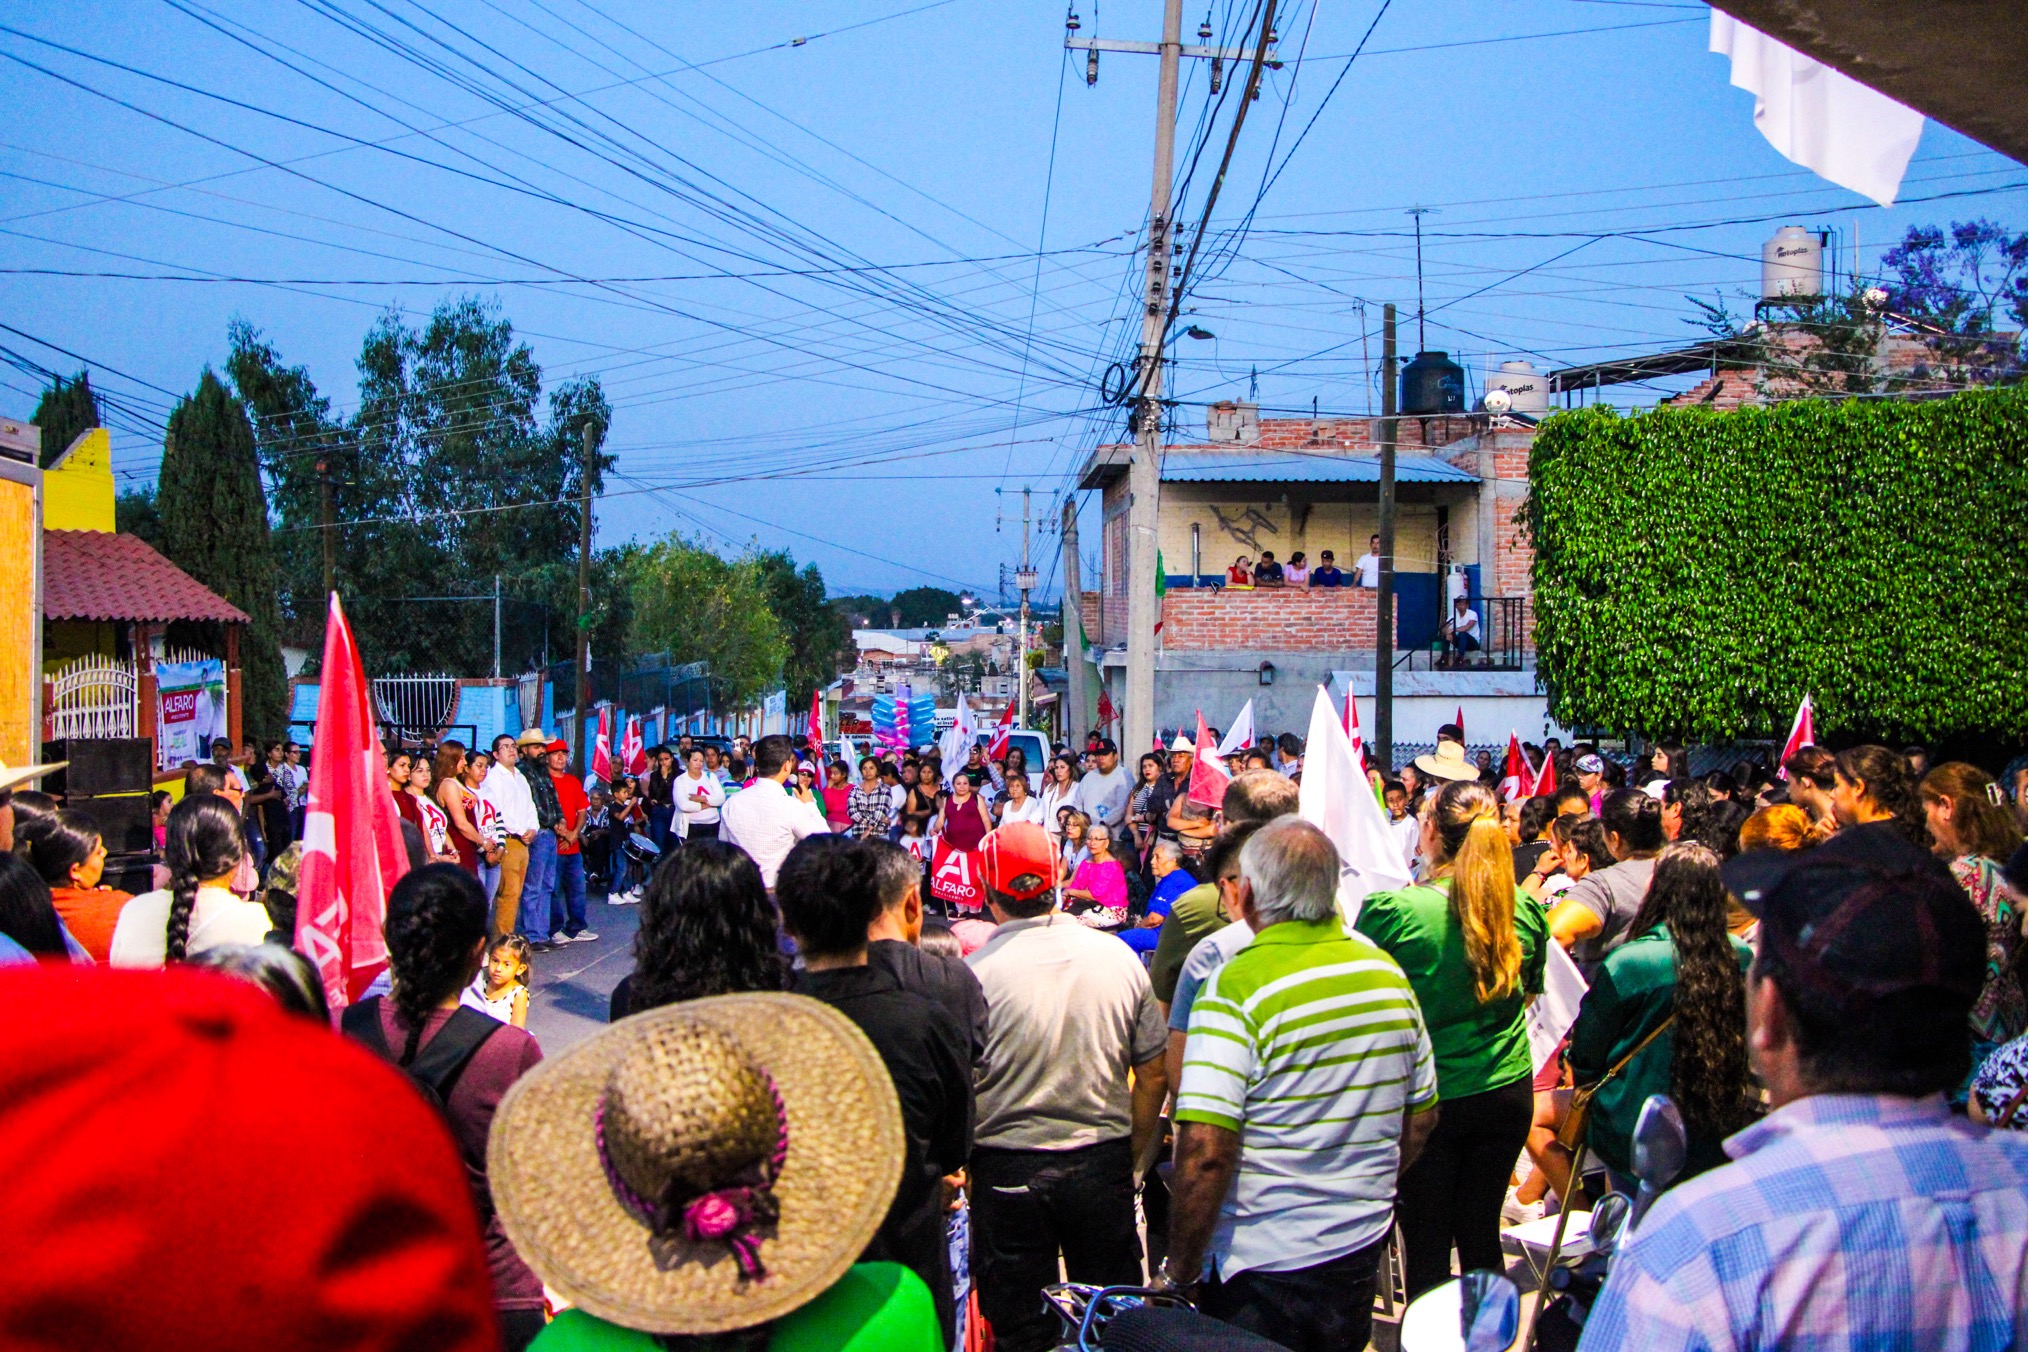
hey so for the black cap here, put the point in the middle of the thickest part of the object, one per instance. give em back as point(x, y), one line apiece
point(1106, 747)
point(1864, 916)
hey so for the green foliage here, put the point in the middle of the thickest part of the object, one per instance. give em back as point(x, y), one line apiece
point(135, 513)
point(214, 521)
point(1698, 572)
point(819, 637)
point(923, 607)
point(65, 409)
point(698, 607)
point(863, 612)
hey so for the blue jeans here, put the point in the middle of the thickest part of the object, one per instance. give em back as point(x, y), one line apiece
point(570, 892)
point(538, 889)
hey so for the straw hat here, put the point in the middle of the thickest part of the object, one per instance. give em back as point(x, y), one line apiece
point(13, 777)
point(532, 737)
point(763, 1127)
point(1183, 743)
point(1448, 763)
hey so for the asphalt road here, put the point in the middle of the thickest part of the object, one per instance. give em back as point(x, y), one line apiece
point(573, 983)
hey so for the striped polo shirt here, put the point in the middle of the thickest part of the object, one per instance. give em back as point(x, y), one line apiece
point(1309, 1044)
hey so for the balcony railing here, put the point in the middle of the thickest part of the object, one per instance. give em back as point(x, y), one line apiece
point(1503, 635)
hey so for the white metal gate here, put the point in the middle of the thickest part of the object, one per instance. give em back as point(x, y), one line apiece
point(92, 697)
point(415, 707)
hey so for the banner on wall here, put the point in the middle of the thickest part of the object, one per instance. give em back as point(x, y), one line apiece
point(775, 713)
point(190, 710)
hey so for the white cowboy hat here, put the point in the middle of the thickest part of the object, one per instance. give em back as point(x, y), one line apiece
point(1448, 763)
point(14, 776)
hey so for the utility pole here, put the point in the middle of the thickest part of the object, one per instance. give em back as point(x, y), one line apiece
point(585, 586)
point(1384, 598)
point(496, 626)
point(1075, 721)
point(324, 522)
point(1025, 580)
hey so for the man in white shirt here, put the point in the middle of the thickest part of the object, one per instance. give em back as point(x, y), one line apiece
point(1461, 630)
point(505, 788)
point(764, 820)
point(1102, 793)
point(1367, 568)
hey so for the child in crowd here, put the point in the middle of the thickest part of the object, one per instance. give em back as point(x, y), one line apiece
point(914, 841)
point(501, 987)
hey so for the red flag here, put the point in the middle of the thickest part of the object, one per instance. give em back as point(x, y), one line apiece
point(997, 748)
point(633, 753)
point(1516, 780)
point(352, 834)
point(1802, 733)
point(1459, 719)
point(602, 746)
point(1352, 722)
point(815, 734)
point(1546, 777)
point(1105, 709)
point(1208, 778)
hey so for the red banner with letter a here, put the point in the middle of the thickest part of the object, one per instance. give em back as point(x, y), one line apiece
point(955, 878)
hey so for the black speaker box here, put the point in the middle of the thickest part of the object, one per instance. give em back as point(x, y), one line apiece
point(100, 765)
point(123, 819)
point(134, 873)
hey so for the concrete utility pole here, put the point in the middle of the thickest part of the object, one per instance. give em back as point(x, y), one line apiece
point(1384, 599)
point(1075, 718)
point(324, 523)
point(585, 587)
point(496, 626)
point(1025, 581)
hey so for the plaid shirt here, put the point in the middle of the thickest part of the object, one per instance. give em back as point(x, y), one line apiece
point(1845, 1221)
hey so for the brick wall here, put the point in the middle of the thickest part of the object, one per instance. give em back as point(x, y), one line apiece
point(1294, 620)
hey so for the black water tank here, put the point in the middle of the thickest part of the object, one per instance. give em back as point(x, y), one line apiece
point(1433, 383)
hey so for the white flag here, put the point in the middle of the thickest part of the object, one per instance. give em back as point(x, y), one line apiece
point(956, 745)
point(1552, 1013)
point(1336, 798)
point(1241, 735)
point(1830, 123)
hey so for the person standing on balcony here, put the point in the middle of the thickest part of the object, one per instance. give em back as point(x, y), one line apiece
point(1268, 573)
point(1296, 573)
point(1241, 574)
point(1327, 573)
point(1367, 568)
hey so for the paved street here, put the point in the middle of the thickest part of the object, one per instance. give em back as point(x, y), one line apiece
point(573, 983)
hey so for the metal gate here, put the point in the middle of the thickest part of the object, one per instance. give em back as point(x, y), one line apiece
point(415, 708)
point(93, 697)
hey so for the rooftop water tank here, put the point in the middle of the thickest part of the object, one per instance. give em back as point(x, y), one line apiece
point(1792, 264)
point(1528, 389)
point(1433, 383)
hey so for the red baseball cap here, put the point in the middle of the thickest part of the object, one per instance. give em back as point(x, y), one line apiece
point(559, 744)
point(1019, 860)
point(186, 1166)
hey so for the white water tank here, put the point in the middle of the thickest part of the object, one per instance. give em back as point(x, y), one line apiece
point(1528, 389)
point(1792, 264)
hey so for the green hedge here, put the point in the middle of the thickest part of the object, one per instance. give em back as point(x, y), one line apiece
point(1697, 572)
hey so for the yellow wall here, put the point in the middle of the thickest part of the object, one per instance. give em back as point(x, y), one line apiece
point(20, 626)
point(77, 494)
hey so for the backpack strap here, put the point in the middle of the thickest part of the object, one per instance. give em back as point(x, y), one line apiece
point(443, 1059)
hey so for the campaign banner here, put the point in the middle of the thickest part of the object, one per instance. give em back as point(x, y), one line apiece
point(190, 710)
point(955, 878)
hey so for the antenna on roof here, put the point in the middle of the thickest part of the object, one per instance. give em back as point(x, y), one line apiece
point(1419, 213)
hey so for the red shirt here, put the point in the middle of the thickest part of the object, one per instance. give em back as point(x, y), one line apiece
point(571, 798)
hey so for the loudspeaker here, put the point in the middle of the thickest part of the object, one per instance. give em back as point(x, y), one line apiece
point(123, 819)
point(134, 873)
point(100, 765)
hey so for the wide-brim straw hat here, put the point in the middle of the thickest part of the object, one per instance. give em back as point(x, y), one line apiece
point(14, 776)
point(839, 1173)
point(533, 737)
point(1449, 762)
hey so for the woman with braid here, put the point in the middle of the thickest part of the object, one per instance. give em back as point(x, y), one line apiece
point(198, 910)
point(462, 1060)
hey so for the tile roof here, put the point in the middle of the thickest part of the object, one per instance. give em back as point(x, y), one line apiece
point(90, 575)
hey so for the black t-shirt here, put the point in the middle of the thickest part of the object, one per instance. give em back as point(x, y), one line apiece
point(944, 982)
point(274, 814)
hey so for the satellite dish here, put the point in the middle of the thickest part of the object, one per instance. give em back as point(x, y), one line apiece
point(1498, 401)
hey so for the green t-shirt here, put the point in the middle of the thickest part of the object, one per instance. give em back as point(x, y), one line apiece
point(1478, 1046)
point(1634, 989)
point(875, 1307)
point(1194, 915)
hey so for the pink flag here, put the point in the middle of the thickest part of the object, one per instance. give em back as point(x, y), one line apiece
point(602, 746)
point(633, 754)
point(1516, 780)
point(815, 734)
point(1802, 733)
point(352, 834)
point(997, 748)
point(1208, 778)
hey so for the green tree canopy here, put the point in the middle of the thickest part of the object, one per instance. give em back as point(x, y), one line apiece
point(819, 638)
point(919, 607)
point(214, 518)
point(1697, 573)
point(698, 607)
point(66, 408)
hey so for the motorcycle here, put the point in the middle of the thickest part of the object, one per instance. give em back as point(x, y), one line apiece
point(1467, 1315)
point(1141, 1319)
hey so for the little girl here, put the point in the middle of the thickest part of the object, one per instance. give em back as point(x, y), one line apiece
point(501, 988)
point(913, 840)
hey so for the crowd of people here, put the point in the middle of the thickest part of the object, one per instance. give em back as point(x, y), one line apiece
point(1148, 1042)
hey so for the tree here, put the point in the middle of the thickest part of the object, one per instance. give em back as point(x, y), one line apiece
point(863, 612)
point(134, 513)
point(66, 409)
point(698, 607)
point(819, 638)
point(1960, 292)
point(923, 607)
point(215, 528)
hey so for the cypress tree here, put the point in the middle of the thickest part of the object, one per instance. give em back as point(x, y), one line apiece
point(215, 528)
point(67, 408)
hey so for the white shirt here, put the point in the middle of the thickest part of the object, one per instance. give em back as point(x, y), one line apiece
point(505, 788)
point(294, 779)
point(1103, 797)
point(1030, 809)
point(1054, 798)
point(1367, 568)
point(1467, 623)
point(766, 822)
point(692, 814)
point(141, 937)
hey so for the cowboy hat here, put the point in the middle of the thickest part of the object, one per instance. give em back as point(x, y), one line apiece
point(702, 1167)
point(532, 737)
point(1182, 743)
point(14, 776)
point(1449, 762)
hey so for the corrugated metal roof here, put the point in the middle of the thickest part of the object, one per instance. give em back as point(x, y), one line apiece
point(90, 575)
point(1282, 467)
